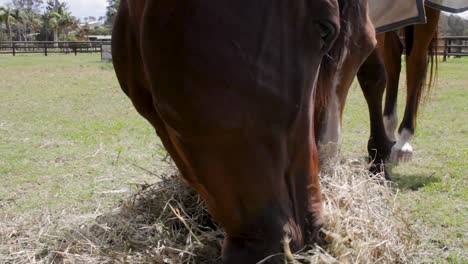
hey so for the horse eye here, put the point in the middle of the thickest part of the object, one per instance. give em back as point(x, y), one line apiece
point(328, 33)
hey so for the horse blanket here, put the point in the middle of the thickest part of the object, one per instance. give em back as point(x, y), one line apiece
point(451, 6)
point(393, 14)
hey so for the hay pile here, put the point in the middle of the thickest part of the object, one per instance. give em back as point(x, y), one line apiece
point(162, 223)
point(168, 223)
point(363, 220)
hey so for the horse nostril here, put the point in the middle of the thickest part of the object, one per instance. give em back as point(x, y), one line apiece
point(328, 33)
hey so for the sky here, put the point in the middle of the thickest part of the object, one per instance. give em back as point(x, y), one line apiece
point(97, 8)
point(83, 8)
point(464, 14)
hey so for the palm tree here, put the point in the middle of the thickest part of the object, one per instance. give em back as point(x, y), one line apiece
point(67, 22)
point(30, 21)
point(20, 23)
point(6, 16)
point(35, 23)
point(1, 26)
point(59, 19)
point(112, 7)
point(53, 19)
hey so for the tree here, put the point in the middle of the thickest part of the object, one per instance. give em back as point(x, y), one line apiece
point(1, 26)
point(66, 23)
point(52, 21)
point(25, 22)
point(456, 25)
point(6, 17)
point(112, 7)
point(35, 22)
point(32, 5)
point(58, 19)
point(18, 23)
point(52, 17)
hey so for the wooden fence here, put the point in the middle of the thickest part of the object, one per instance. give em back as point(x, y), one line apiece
point(456, 46)
point(51, 47)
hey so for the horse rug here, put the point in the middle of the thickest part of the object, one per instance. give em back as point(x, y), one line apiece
point(390, 15)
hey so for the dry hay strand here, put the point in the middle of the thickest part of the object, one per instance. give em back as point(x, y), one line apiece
point(363, 221)
point(169, 223)
point(162, 223)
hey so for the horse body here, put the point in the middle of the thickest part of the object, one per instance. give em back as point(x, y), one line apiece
point(231, 88)
point(418, 39)
point(380, 71)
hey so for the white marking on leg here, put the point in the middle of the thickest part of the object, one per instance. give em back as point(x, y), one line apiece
point(330, 137)
point(390, 124)
point(402, 151)
point(331, 133)
point(332, 130)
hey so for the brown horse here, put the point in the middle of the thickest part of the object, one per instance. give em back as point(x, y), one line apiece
point(382, 69)
point(419, 40)
point(231, 87)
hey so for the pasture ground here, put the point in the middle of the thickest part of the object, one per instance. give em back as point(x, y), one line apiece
point(72, 147)
point(434, 185)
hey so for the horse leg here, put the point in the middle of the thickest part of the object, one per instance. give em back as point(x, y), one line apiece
point(392, 51)
point(371, 77)
point(416, 69)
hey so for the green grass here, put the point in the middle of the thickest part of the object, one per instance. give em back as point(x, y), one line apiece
point(69, 138)
point(434, 185)
point(63, 123)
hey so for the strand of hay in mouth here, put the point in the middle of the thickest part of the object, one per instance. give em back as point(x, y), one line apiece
point(169, 223)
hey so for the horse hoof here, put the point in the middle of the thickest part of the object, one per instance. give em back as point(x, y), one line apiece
point(403, 154)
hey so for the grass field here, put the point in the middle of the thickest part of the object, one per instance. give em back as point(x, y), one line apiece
point(72, 146)
point(434, 186)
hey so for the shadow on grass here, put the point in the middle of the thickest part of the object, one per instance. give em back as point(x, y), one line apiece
point(405, 181)
point(412, 182)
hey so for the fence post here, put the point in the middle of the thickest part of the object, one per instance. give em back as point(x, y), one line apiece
point(449, 47)
point(458, 42)
point(45, 49)
point(445, 50)
point(13, 47)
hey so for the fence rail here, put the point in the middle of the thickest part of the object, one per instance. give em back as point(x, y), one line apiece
point(447, 46)
point(51, 47)
point(456, 46)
